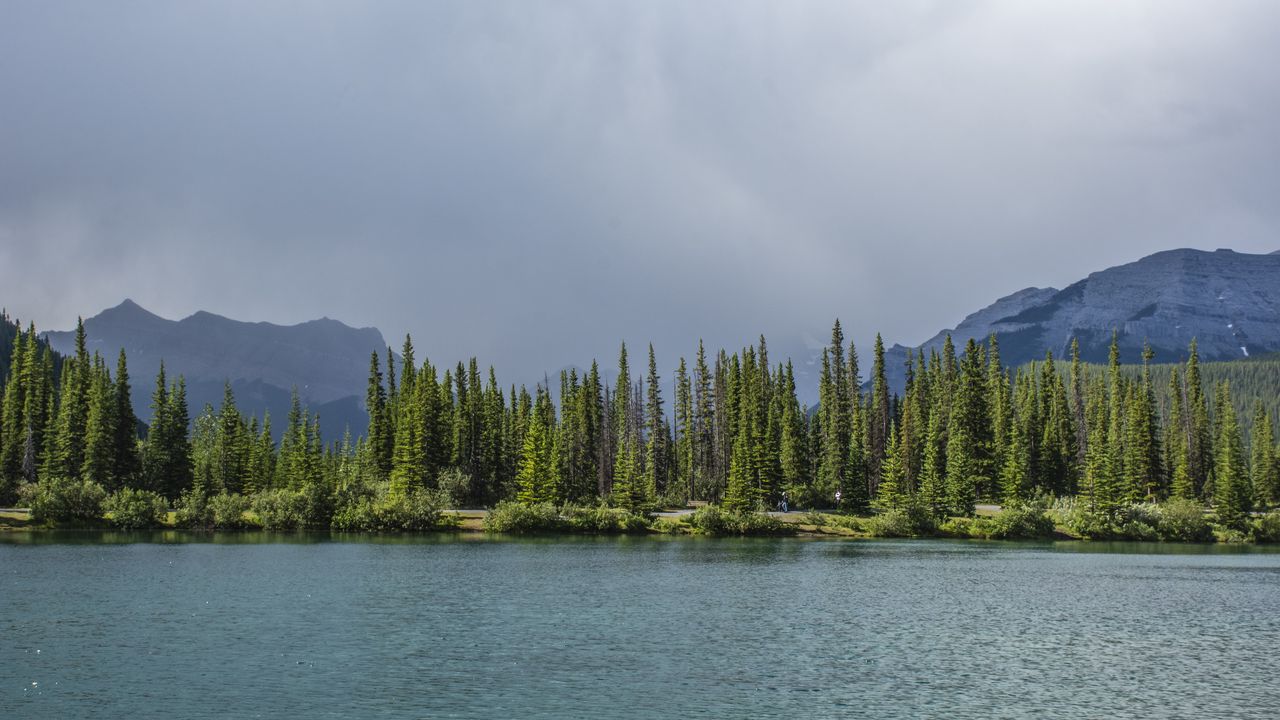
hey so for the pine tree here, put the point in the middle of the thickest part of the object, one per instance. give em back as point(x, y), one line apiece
point(933, 477)
point(890, 494)
point(835, 405)
point(1177, 448)
point(1199, 447)
point(74, 412)
point(879, 418)
point(535, 479)
point(409, 455)
point(99, 440)
point(685, 433)
point(1232, 493)
point(656, 446)
point(1263, 458)
point(128, 463)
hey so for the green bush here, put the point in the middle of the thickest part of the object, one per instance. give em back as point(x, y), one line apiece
point(1182, 520)
point(193, 511)
point(668, 526)
point(1266, 528)
point(456, 486)
point(135, 509)
point(957, 527)
point(281, 509)
point(911, 521)
point(712, 520)
point(513, 517)
point(1132, 522)
point(381, 511)
point(228, 511)
point(603, 520)
point(1019, 522)
point(62, 501)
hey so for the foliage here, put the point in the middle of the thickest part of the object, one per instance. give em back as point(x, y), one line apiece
point(1022, 521)
point(456, 486)
point(604, 520)
point(1175, 520)
point(192, 511)
point(713, 520)
point(1181, 520)
point(134, 509)
point(518, 518)
point(1266, 528)
point(668, 526)
point(283, 509)
point(384, 511)
point(910, 521)
point(62, 501)
point(965, 429)
point(230, 511)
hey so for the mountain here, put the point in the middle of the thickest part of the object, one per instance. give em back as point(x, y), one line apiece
point(1228, 301)
point(327, 361)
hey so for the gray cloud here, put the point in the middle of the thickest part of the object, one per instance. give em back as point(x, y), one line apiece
point(532, 182)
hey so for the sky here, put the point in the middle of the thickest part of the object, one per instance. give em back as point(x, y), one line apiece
point(533, 182)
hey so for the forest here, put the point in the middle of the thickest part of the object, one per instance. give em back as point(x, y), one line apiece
point(966, 430)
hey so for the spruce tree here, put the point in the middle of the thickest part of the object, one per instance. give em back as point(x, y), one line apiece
point(890, 494)
point(100, 425)
point(128, 463)
point(1232, 492)
point(1263, 458)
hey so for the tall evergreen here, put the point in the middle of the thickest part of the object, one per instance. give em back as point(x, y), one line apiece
point(1232, 492)
point(1263, 459)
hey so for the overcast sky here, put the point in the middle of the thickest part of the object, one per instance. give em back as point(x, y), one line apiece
point(531, 182)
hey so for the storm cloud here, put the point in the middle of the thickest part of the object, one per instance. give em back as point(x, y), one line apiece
point(532, 182)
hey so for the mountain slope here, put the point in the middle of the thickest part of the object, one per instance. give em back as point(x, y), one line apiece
point(1228, 301)
point(326, 360)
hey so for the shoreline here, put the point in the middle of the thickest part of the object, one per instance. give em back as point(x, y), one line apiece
point(471, 523)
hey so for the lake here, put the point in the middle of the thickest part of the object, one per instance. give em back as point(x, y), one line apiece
point(112, 625)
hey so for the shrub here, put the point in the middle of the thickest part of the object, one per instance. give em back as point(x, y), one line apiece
point(1182, 521)
point(668, 526)
point(514, 517)
point(193, 511)
point(227, 511)
point(890, 524)
point(281, 509)
point(604, 520)
point(1266, 528)
point(1019, 522)
point(911, 521)
point(1132, 522)
point(134, 509)
point(456, 486)
point(64, 501)
point(381, 511)
point(957, 527)
point(712, 520)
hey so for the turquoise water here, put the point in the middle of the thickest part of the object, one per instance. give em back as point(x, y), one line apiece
point(138, 626)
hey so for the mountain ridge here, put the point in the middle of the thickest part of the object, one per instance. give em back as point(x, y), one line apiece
point(325, 359)
point(1228, 301)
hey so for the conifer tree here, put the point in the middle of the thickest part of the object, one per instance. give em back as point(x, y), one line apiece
point(656, 447)
point(1181, 484)
point(1232, 492)
point(99, 440)
point(890, 494)
point(128, 463)
point(379, 434)
point(1263, 458)
point(685, 432)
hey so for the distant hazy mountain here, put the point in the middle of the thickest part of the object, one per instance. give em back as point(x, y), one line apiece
point(326, 360)
point(1228, 301)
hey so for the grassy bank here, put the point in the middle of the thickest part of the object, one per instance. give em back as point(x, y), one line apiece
point(1065, 520)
